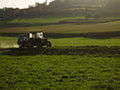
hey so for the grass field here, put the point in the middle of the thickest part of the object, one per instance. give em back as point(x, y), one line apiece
point(64, 28)
point(44, 20)
point(83, 57)
point(69, 41)
point(60, 19)
point(60, 72)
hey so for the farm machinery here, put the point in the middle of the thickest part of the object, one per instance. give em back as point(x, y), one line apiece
point(33, 39)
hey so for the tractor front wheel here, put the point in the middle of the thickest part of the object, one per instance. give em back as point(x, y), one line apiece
point(21, 46)
point(49, 44)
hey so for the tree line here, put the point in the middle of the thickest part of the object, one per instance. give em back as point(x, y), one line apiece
point(63, 8)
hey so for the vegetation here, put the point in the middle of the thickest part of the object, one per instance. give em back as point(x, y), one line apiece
point(44, 20)
point(83, 56)
point(8, 42)
point(65, 8)
point(85, 53)
point(66, 28)
point(85, 42)
point(59, 72)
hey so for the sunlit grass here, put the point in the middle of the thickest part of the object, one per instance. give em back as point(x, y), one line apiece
point(85, 42)
point(8, 42)
point(12, 42)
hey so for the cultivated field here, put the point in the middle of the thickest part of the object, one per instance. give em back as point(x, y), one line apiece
point(83, 57)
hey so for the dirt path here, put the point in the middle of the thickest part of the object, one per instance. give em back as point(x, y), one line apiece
point(102, 51)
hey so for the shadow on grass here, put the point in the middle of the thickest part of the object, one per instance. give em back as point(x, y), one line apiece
point(97, 35)
point(102, 51)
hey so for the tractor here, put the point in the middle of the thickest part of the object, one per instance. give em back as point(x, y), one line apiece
point(33, 39)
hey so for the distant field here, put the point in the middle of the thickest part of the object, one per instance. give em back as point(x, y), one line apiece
point(61, 19)
point(68, 28)
point(44, 20)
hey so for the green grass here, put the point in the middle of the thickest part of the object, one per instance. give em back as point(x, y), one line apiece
point(12, 41)
point(80, 72)
point(43, 20)
point(99, 70)
point(60, 72)
point(68, 28)
point(85, 42)
point(8, 42)
point(7, 38)
point(58, 19)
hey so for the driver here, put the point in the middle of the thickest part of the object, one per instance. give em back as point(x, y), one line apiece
point(40, 35)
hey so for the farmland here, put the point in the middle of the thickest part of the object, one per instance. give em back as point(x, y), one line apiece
point(83, 57)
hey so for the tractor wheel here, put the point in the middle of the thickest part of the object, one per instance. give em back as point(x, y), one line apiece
point(21, 46)
point(49, 44)
point(39, 46)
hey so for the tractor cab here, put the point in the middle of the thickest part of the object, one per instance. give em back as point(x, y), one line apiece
point(40, 35)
